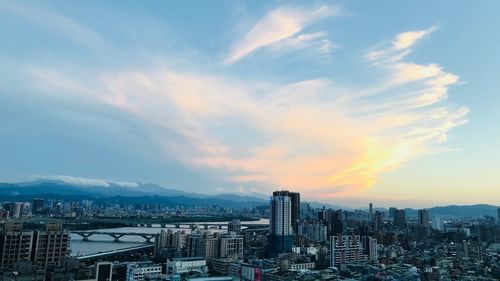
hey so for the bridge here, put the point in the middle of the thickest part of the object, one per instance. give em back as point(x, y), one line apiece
point(115, 252)
point(193, 226)
point(116, 235)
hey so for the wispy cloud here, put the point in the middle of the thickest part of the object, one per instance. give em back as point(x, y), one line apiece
point(56, 23)
point(305, 135)
point(310, 135)
point(278, 25)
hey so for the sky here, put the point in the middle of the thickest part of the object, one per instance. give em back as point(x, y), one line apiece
point(347, 102)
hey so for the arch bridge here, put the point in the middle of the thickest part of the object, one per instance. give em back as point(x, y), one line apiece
point(116, 235)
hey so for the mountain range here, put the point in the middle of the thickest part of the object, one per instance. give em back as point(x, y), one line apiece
point(64, 187)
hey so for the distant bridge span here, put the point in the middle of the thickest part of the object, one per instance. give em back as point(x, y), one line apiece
point(116, 235)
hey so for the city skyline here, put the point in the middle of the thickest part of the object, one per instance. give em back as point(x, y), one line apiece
point(323, 98)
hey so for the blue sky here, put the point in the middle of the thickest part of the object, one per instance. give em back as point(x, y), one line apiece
point(345, 101)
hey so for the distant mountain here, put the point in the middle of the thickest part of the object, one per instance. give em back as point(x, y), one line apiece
point(472, 211)
point(63, 188)
point(72, 188)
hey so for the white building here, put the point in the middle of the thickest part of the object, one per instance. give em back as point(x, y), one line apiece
point(281, 214)
point(346, 249)
point(139, 271)
point(186, 265)
point(437, 223)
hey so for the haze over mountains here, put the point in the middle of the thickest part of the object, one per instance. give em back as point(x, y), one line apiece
point(65, 187)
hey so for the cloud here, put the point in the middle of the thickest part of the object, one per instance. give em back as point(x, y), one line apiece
point(85, 181)
point(406, 40)
point(278, 25)
point(57, 24)
point(311, 135)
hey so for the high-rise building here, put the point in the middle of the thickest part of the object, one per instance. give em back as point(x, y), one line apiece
point(51, 247)
point(437, 223)
point(423, 218)
point(423, 227)
point(498, 216)
point(15, 245)
point(392, 211)
point(370, 211)
point(370, 248)
point(15, 209)
point(211, 246)
point(337, 222)
point(377, 221)
point(170, 243)
point(346, 249)
point(281, 230)
point(37, 206)
point(399, 218)
point(322, 215)
point(313, 229)
point(202, 245)
point(295, 196)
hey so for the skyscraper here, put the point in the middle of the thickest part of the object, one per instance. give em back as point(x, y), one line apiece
point(37, 206)
point(281, 232)
point(399, 219)
point(377, 221)
point(423, 218)
point(370, 247)
point(295, 196)
point(424, 225)
point(498, 218)
point(371, 211)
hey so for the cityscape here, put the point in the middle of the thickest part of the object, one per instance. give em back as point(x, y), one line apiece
point(253, 140)
point(283, 239)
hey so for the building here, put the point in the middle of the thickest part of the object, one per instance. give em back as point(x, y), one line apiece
point(175, 240)
point(103, 272)
point(423, 221)
point(313, 230)
point(215, 245)
point(230, 246)
point(392, 211)
point(204, 245)
point(187, 265)
point(370, 248)
point(437, 223)
point(51, 247)
point(281, 230)
point(15, 209)
point(250, 272)
point(221, 266)
point(346, 249)
point(377, 221)
point(234, 226)
point(336, 222)
point(37, 206)
point(141, 271)
point(370, 211)
point(498, 216)
point(42, 249)
point(295, 196)
point(399, 218)
point(15, 245)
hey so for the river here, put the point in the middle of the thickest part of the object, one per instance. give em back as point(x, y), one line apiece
point(105, 243)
